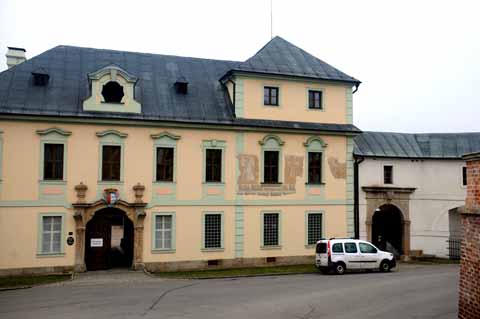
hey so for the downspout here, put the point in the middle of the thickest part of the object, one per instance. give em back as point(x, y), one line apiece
point(357, 85)
point(356, 199)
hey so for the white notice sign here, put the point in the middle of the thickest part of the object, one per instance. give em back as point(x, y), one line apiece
point(96, 242)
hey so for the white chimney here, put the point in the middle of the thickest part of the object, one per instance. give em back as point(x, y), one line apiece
point(15, 56)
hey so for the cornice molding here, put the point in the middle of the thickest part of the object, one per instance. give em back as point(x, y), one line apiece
point(54, 130)
point(111, 132)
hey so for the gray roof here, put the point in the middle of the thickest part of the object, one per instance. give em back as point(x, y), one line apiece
point(428, 145)
point(280, 57)
point(206, 102)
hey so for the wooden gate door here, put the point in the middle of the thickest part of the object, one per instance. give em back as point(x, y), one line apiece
point(97, 244)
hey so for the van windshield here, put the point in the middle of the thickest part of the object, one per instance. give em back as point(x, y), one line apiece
point(321, 248)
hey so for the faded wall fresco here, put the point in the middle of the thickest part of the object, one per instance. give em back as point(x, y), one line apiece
point(249, 178)
point(338, 169)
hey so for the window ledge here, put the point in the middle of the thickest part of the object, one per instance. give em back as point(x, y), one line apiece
point(214, 183)
point(315, 184)
point(164, 182)
point(206, 250)
point(50, 255)
point(110, 182)
point(271, 247)
point(163, 251)
point(310, 246)
point(52, 182)
point(272, 184)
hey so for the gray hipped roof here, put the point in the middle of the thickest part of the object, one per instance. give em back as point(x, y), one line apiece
point(207, 100)
point(403, 145)
point(280, 57)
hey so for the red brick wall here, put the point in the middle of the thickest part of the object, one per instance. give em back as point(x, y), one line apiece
point(469, 295)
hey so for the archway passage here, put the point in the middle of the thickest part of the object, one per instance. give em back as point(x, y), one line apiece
point(387, 229)
point(109, 240)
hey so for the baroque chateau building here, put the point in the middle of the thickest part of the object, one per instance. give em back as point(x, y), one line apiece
point(111, 158)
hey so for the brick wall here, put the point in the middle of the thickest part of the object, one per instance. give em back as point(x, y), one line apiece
point(469, 292)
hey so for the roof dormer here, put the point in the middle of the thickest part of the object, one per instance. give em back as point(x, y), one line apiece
point(112, 91)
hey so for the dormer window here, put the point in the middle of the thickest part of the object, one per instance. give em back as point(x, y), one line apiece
point(40, 77)
point(112, 92)
point(181, 85)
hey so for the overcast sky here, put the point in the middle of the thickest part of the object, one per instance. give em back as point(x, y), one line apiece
point(419, 61)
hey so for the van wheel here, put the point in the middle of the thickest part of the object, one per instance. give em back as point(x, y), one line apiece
point(384, 266)
point(340, 268)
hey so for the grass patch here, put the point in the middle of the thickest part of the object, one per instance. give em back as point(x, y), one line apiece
point(22, 281)
point(238, 272)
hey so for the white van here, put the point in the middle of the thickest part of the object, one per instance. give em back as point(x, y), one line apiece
point(340, 254)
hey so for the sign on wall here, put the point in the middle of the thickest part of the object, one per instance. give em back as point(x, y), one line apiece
point(96, 242)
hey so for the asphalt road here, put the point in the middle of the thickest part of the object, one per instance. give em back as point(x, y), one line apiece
point(411, 292)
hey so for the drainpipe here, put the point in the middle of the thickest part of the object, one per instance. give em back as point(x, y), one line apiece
point(357, 85)
point(356, 192)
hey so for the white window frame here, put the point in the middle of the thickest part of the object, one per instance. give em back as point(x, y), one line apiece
point(173, 233)
point(40, 251)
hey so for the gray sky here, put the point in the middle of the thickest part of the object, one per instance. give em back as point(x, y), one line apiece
point(418, 60)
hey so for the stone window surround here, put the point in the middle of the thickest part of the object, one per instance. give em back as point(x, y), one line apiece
point(111, 138)
point(271, 142)
point(172, 249)
point(112, 73)
point(213, 144)
point(165, 139)
point(315, 144)
point(222, 240)
point(53, 135)
point(40, 252)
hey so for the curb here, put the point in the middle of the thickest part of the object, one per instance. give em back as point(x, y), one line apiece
point(238, 276)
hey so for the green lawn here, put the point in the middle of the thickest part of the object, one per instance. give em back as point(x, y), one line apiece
point(22, 281)
point(238, 272)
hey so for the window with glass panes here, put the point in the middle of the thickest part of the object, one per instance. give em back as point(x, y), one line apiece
point(53, 162)
point(314, 228)
point(270, 95)
point(270, 229)
point(51, 234)
point(388, 174)
point(212, 228)
point(111, 157)
point(163, 231)
point(165, 164)
point(315, 100)
point(270, 166)
point(213, 165)
point(314, 167)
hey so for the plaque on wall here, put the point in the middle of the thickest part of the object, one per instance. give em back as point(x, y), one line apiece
point(96, 242)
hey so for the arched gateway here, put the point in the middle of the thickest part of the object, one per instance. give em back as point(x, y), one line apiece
point(108, 234)
point(387, 229)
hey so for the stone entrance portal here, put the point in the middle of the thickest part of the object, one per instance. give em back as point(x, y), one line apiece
point(84, 213)
point(387, 229)
point(386, 198)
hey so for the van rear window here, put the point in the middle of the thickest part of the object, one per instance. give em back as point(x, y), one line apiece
point(321, 248)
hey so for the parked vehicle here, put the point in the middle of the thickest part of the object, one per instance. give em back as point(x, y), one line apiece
point(342, 254)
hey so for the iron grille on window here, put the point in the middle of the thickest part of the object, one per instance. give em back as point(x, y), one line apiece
point(165, 164)
point(270, 229)
point(314, 167)
point(213, 231)
point(53, 162)
point(111, 163)
point(315, 100)
point(163, 232)
point(213, 165)
point(314, 228)
point(270, 95)
point(270, 167)
point(388, 174)
point(51, 234)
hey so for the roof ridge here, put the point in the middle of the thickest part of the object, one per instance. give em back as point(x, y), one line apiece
point(137, 52)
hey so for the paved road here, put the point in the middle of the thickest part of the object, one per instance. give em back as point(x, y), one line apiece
point(412, 292)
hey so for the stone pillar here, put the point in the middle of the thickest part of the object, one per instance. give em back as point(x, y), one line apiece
point(138, 263)
point(80, 241)
point(469, 290)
